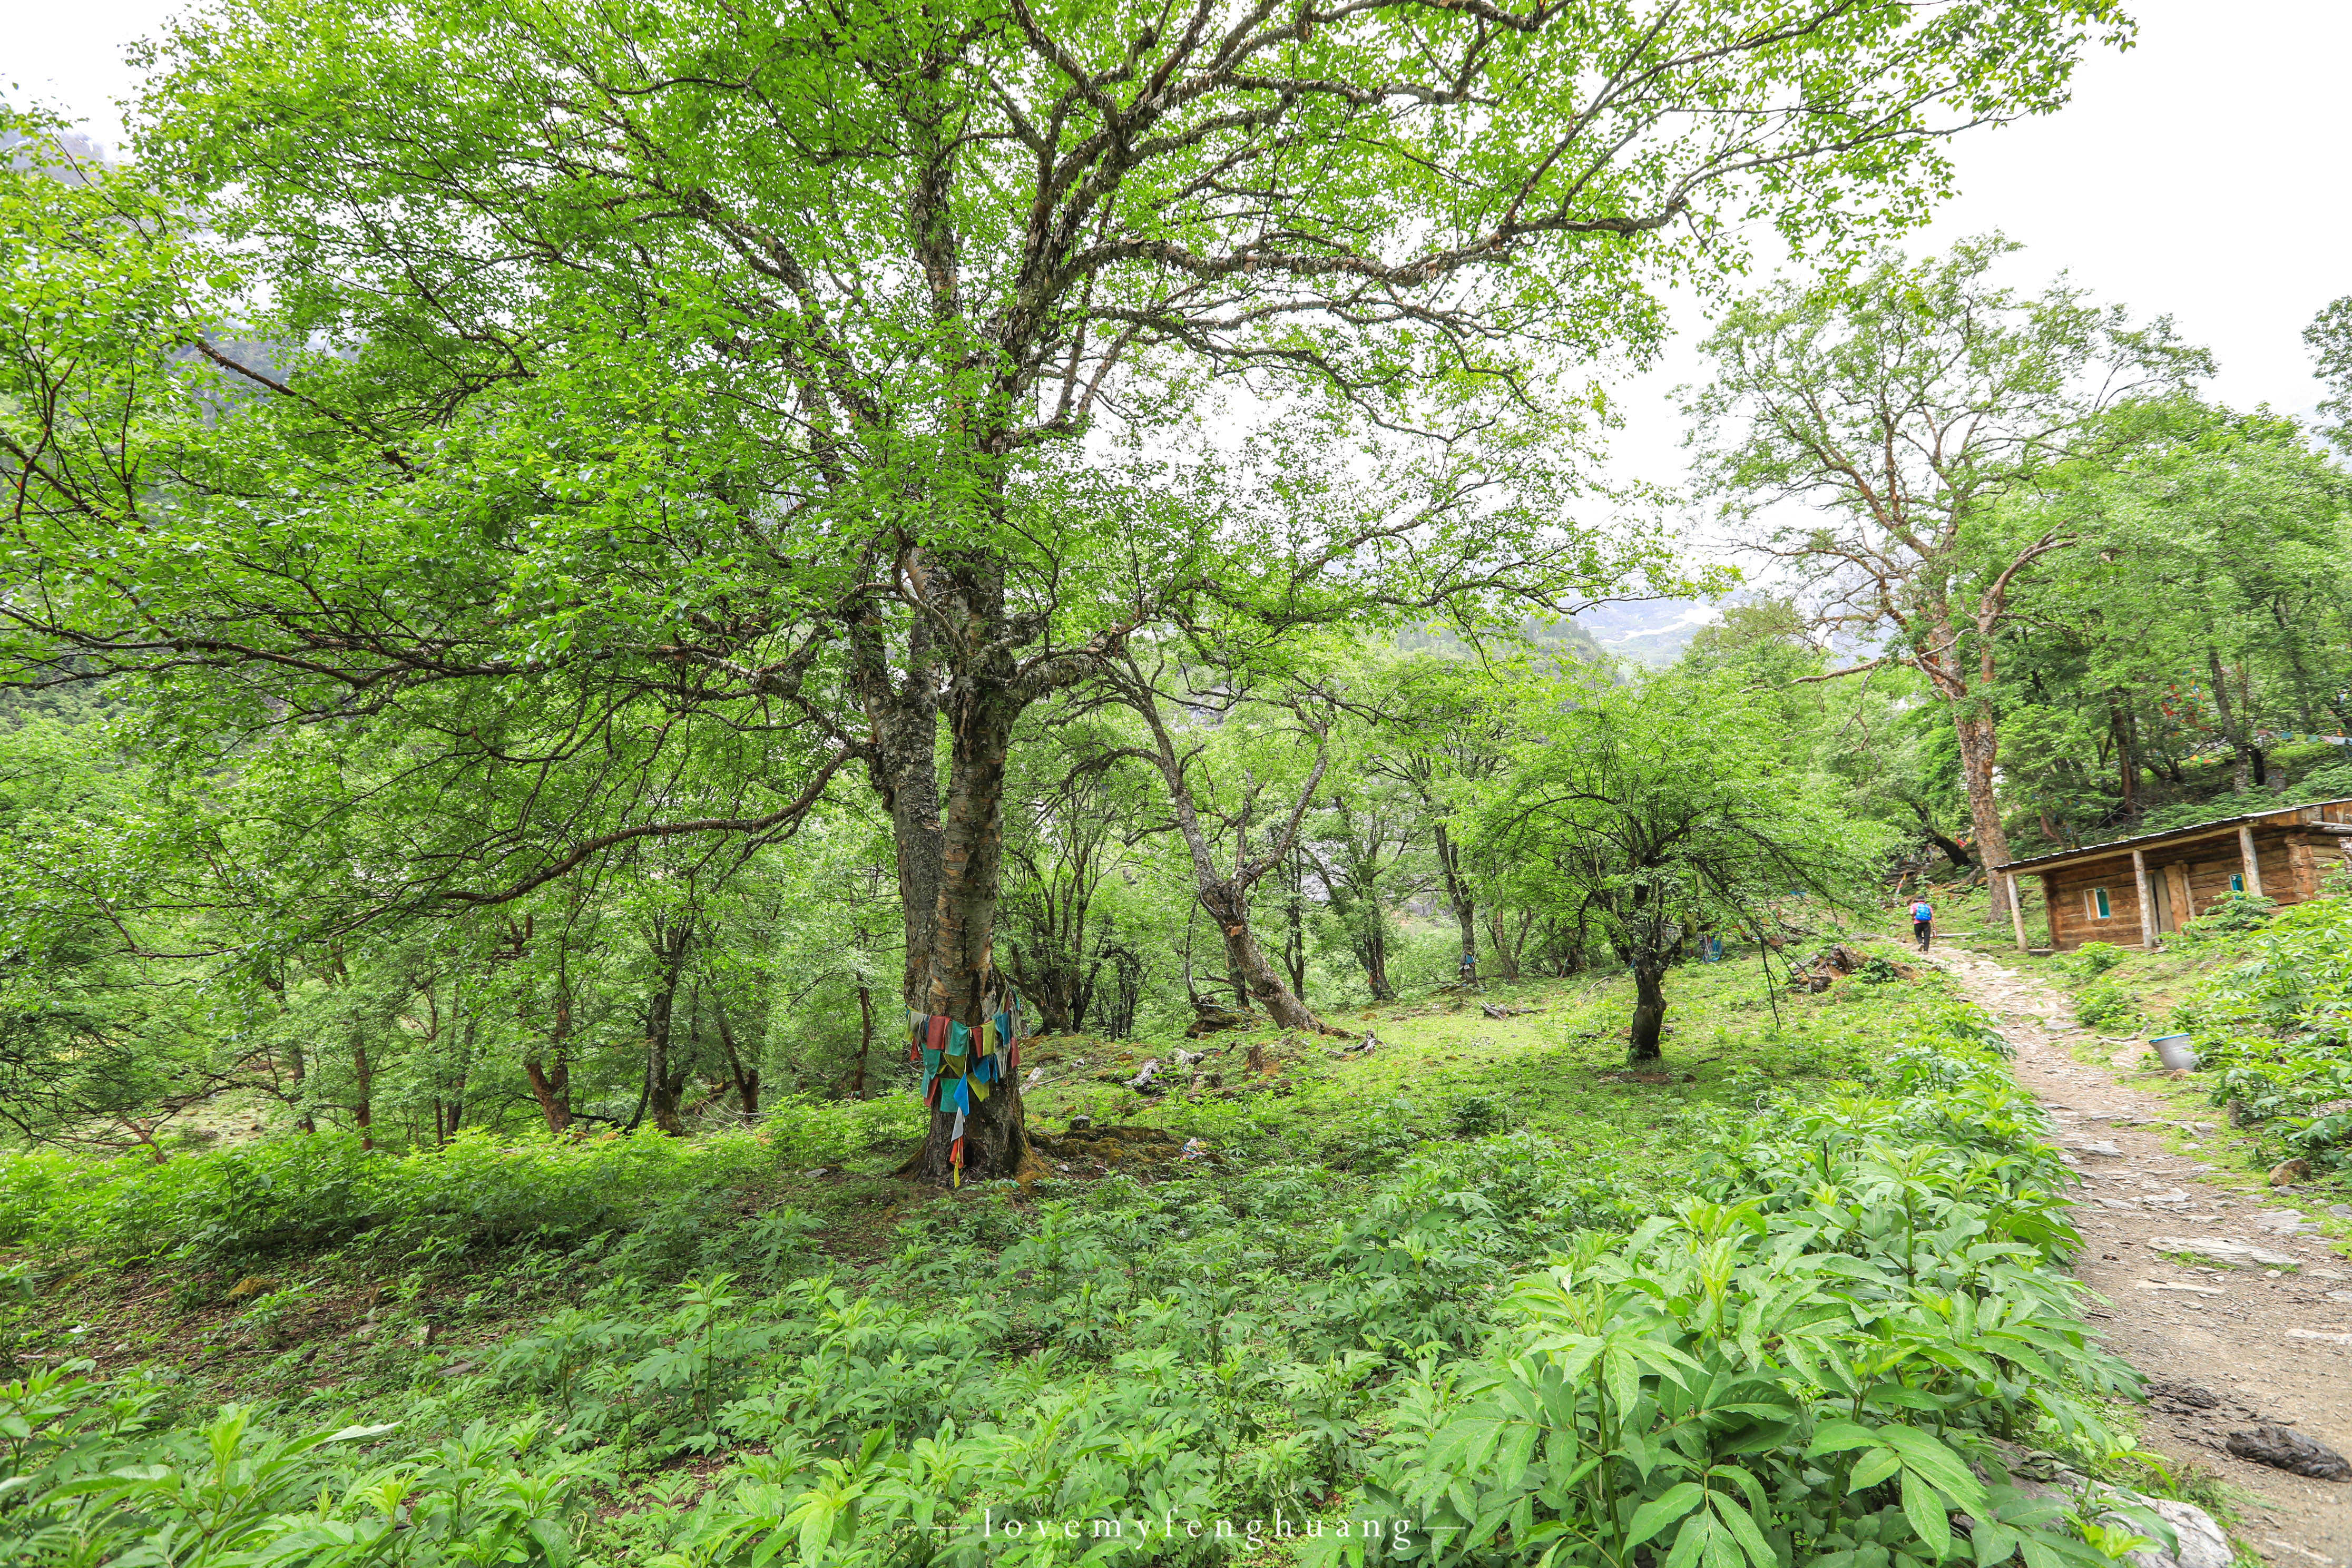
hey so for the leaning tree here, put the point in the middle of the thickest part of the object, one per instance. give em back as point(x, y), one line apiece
point(1912, 408)
point(555, 383)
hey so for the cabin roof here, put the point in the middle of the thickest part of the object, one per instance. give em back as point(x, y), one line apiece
point(2278, 818)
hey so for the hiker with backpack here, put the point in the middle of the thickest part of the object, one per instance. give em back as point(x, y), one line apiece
point(1923, 920)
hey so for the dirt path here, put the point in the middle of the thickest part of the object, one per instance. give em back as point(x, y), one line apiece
point(2222, 1347)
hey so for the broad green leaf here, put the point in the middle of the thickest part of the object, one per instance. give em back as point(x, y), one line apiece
point(1924, 1507)
point(1664, 1509)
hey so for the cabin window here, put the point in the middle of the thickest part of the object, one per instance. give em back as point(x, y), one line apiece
point(2095, 904)
point(2237, 881)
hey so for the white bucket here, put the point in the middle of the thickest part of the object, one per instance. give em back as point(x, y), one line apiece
point(2173, 1051)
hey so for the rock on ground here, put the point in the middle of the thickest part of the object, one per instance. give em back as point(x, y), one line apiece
point(2286, 1449)
point(2198, 1540)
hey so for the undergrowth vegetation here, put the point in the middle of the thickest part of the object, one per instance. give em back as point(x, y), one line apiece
point(1820, 1338)
point(245, 1205)
point(2275, 1029)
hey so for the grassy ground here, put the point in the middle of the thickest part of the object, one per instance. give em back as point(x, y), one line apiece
point(1555, 1066)
point(1245, 1320)
point(336, 1322)
point(333, 1322)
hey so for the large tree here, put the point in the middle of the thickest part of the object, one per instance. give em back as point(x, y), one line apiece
point(2218, 590)
point(1239, 769)
point(1651, 812)
point(1904, 406)
point(630, 378)
point(2330, 339)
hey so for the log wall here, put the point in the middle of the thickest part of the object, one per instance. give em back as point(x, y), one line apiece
point(2294, 866)
point(2072, 920)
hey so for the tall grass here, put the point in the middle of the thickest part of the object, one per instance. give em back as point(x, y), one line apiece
point(307, 1193)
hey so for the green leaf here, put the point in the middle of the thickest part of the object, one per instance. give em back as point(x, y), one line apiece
point(1924, 1507)
point(553, 1540)
point(361, 1433)
point(1874, 1468)
point(1743, 1531)
point(1836, 1437)
point(1994, 1542)
point(1923, 1452)
point(1691, 1543)
point(1663, 1511)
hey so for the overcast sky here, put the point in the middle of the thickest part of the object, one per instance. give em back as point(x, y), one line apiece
point(2202, 173)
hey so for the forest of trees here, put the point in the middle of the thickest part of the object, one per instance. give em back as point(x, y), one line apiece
point(420, 899)
point(626, 631)
point(602, 621)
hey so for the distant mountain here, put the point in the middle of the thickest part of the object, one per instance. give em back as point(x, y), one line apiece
point(1652, 632)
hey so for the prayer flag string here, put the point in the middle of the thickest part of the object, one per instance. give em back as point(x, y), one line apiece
point(960, 1061)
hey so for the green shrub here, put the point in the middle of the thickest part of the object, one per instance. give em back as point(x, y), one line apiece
point(1476, 1115)
point(2107, 1005)
point(2096, 958)
point(2233, 915)
point(2272, 1031)
point(88, 1475)
point(1728, 1381)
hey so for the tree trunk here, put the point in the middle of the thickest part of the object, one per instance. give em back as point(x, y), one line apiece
point(297, 1064)
point(464, 1065)
point(746, 1078)
point(1376, 952)
point(962, 975)
point(659, 1094)
point(665, 1090)
point(645, 1098)
point(672, 938)
point(553, 1088)
point(1507, 951)
point(1225, 899)
point(2241, 751)
point(1649, 1008)
point(1577, 947)
point(1047, 985)
point(1125, 994)
point(552, 1092)
point(297, 1073)
point(1293, 935)
point(2120, 719)
point(905, 774)
point(865, 1039)
point(1236, 975)
point(1980, 748)
point(1954, 851)
point(363, 1109)
point(1457, 894)
point(1227, 904)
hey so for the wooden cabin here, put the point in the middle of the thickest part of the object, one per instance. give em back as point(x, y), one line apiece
point(2133, 890)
